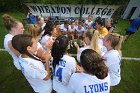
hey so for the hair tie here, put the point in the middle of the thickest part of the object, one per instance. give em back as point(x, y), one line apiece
point(57, 41)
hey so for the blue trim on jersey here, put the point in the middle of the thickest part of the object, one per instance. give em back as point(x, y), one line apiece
point(96, 88)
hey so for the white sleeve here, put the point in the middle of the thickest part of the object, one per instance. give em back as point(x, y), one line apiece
point(78, 56)
point(79, 53)
point(44, 39)
point(69, 28)
point(39, 46)
point(62, 28)
point(83, 29)
point(73, 65)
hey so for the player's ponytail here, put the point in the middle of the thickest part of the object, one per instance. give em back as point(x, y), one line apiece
point(118, 46)
point(94, 41)
point(100, 69)
point(93, 63)
point(9, 21)
point(59, 48)
point(116, 41)
point(34, 30)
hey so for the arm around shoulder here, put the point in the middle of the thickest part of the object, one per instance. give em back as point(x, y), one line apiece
point(47, 66)
point(12, 49)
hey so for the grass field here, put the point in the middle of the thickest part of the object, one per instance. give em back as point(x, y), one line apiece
point(12, 81)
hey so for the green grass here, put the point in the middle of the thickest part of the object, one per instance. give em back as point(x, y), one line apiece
point(130, 78)
point(12, 80)
point(130, 48)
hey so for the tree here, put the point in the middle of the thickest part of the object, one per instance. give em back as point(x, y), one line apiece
point(12, 5)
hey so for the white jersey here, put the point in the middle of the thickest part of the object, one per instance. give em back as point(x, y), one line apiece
point(43, 30)
point(89, 23)
point(81, 50)
point(80, 31)
point(34, 71)
point(8, 38)
point(85, 83)
point(38, 47)
point(113, 62)
point(44, 39)
point(72, 29)
point(62, 73)
point(62, 28)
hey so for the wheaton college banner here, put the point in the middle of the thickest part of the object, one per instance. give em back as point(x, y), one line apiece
point(105, 11)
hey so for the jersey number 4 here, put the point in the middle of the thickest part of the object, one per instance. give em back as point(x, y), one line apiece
point(59, 74)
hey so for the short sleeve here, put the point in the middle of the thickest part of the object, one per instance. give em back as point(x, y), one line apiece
point(73, 65)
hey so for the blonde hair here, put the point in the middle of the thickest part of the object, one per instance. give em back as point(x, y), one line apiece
point(116, 41)
point(94, 42)
point(9, 21)
point(34, 30)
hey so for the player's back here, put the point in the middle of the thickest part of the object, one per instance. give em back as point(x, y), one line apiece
point(113, 62)
point(7, 39)
point(85, 83)
point(63, 72)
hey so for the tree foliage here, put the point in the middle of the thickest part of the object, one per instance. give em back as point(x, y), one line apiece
point(16, 5)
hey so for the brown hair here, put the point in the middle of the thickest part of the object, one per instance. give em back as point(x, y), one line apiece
point(56, 23)
point(80, 23)
point(9, 21)
point(34, 30)
point(89, 34)
point(49, 27)
point(21, 42)
point(93, 63)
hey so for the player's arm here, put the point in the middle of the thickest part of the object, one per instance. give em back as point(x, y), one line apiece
point(47, 65)
point(12, 49)
point(41, 54)
point(77, 46)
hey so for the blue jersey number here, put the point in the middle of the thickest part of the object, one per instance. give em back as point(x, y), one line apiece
point(59, 74)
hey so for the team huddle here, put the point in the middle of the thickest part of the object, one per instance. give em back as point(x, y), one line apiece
point(43, 58)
